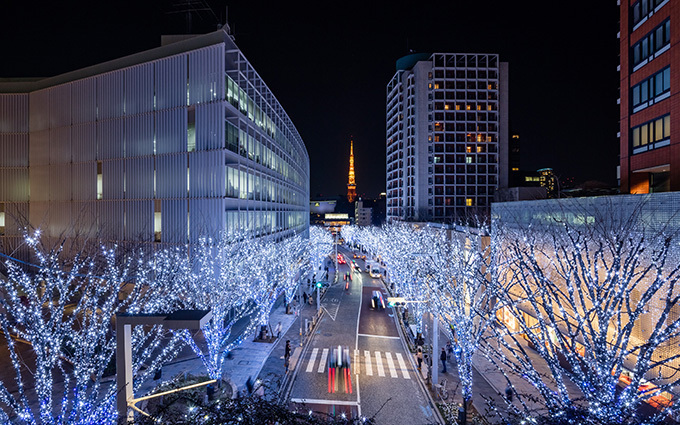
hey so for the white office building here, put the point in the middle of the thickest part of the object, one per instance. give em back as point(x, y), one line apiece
point(446, 135)
point(162, 146)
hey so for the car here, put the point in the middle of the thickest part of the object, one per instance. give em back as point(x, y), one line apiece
point(359, 256)
point(341, 259)
point(355, 266)
point(377, 301)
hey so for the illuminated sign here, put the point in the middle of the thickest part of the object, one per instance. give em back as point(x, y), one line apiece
point(337, 216)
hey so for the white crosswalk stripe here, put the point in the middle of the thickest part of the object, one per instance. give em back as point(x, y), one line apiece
point(369, 368)
point(390, 364)
point(402, 365)
point(312, 358)
point(322, 362)
point(378, 364)
point(372, 363)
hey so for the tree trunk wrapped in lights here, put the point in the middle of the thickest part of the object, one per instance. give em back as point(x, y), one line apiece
point(64, 308)
point(595, 293)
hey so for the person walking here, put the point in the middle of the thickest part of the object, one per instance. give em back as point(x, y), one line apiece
point(286, 356)
point(278, 330)
point(419, 357)
point(442, 357)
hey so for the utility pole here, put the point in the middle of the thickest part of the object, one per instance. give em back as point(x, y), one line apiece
point(435, 349)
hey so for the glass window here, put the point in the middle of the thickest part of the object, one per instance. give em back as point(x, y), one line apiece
point(667, 79)
point(667, 126)
point(644, 91)
point(636, 137)
point(659, 37)
point(636, 95)
point(644, 136)
point(658, 84)
point(658, 130)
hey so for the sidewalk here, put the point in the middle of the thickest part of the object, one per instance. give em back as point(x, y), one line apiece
point(273, 371)
point(252, 359)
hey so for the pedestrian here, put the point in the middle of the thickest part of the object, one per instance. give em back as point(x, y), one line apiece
point(286, 356)
point(278, 330)
point(250, 385)
point(449, 350)
point(508, 393)
point(442, 357)
point(419, 357)
point(304, 296)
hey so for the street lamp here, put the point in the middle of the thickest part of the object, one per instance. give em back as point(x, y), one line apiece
point(180, 319)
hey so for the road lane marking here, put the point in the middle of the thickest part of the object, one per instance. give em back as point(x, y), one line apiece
point(379, 336)
point(357, 356)
point(320, 401)
point(378, 364)
point(390, 364)
point(369, 368)
point(322, 362)
point(402, 365)
point(312, 359)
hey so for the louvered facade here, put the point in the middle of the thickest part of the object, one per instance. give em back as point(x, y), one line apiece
point(162, 146)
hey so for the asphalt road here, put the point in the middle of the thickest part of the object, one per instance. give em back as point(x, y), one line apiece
point(381, 380)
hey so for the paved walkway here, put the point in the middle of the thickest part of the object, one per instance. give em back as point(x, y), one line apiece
point(252, 359)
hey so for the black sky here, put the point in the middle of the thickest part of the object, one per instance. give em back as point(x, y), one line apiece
point(328, 64)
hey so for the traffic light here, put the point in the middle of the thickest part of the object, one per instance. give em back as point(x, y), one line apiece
point(396, 301)
point(319, 284)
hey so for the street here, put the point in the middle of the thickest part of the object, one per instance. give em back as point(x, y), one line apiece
point(382, 381)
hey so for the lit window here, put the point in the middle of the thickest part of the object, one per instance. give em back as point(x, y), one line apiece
point(446, 106)
point(468, 160)
point(157, 221)
point(100, 181)
point(468, 149)
point(467, 107)
point(515, 169)
point(468, 202)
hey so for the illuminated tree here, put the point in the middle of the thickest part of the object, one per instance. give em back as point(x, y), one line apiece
point(596, 295)
point(63, 309)
point(463, 291)
point(218, 277)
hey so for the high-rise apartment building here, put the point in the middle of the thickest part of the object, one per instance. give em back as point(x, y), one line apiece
point(447, 135)
point(163, 146)
point(649, 154)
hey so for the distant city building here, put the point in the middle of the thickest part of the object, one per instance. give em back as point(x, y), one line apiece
point(351, 183)
point(648, 162)
point(163, 146)
point(548, 180)
point(363, 216)
point(447, 135)
point(514, 163)
point(318, 210)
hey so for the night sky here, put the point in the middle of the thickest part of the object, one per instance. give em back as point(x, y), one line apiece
point(328, 63)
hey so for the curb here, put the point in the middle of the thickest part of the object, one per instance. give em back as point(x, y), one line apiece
point(423, 385)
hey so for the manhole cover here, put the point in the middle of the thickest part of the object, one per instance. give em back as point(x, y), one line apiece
point(244, 362)
point(327, 334)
